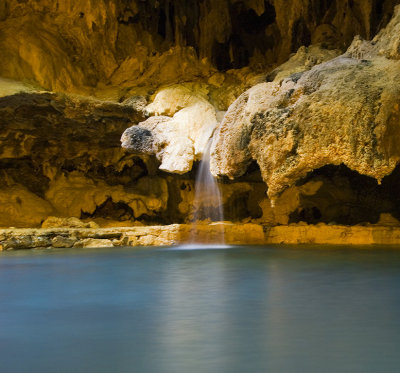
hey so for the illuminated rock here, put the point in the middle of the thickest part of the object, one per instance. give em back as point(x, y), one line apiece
point(179, 132)
point(343, 111)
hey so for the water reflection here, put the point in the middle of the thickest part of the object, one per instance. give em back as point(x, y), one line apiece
point(234, 310)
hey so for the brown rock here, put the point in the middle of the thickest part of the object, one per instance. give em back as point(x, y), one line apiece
point(103, 47)
point(62, 242)
point(94, 242)
point(21, 207)
point(341, 111)
point(56, 222)
point(61, 155)
point(386, 219)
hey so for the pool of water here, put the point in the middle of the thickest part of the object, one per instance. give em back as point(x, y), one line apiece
point(190, 309)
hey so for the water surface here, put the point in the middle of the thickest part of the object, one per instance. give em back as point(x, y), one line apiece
point(258, 309)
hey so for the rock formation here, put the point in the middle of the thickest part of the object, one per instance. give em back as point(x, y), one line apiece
point(61, 156)
point(343, 111)
point(179, 132)
point(292, 116)
point(109, 48)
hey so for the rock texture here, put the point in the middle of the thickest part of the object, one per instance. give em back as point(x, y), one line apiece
point(76, 75)
point(107, 47)
point(235, 234)
point(178, 134)
point(343, 111)
point(184, 118)
point(60, 155)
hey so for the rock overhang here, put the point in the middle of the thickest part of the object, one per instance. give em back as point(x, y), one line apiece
point(343, 111)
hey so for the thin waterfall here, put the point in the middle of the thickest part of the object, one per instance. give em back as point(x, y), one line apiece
point(207, 203)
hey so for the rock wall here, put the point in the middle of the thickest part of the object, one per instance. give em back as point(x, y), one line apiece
point(76, 75)
point(109, 48)
point(343, 111)
point(61, 156)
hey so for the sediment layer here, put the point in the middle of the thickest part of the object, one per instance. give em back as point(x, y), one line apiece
point(180, 234)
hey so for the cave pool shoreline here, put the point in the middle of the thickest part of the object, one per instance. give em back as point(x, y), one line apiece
point(181, 234)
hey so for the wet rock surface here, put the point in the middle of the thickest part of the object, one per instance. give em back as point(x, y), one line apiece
point(178, 133)
point(168, 235)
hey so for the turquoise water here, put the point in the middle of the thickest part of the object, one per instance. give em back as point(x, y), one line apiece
point(258, 309)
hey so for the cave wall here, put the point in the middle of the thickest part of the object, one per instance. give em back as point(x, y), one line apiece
point(90, 46)
point(61, 156)
point(60, 152)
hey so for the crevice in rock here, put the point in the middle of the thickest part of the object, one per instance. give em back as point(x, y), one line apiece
point(117, 211)
point(180, 197)
point(248, 35)
point(96, 170)
point(382, 12)
point(301, 34)
point(252, 174)
point(236, 208)
point(221, 57)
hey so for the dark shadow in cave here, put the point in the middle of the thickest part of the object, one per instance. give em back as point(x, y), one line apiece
point(347, 197)
point(95, 169)
point(25, 171)
point(118, 211)
point(244, 204)
point(301, 35)
point(248, 35)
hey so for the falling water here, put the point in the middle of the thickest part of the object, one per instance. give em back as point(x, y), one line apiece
point(207, 202)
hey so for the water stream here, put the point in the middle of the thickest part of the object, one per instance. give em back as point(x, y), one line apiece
point(207, 203)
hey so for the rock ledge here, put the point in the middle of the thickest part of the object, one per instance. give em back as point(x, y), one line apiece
point(175, 234)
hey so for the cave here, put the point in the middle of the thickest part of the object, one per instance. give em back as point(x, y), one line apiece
point(176, 72)
point(347, 197)
point(199, 185)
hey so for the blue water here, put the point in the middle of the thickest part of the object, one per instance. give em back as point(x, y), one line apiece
point(260, 309)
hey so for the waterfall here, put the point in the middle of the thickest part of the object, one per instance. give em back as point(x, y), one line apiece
point(207, 203)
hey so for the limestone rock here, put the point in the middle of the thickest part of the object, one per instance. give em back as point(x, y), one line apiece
point(20, 207)
point(138, 103)
point(169, 100)
point(107, 47)
point(62, 242)
point(345, 110)
point(286, 203)
point(304, 59)
point(65, 150)
point(94, 242)
point(176, 141)
point(386, 219)
point(56, 222)
point(76, 193)
point(10, 87)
